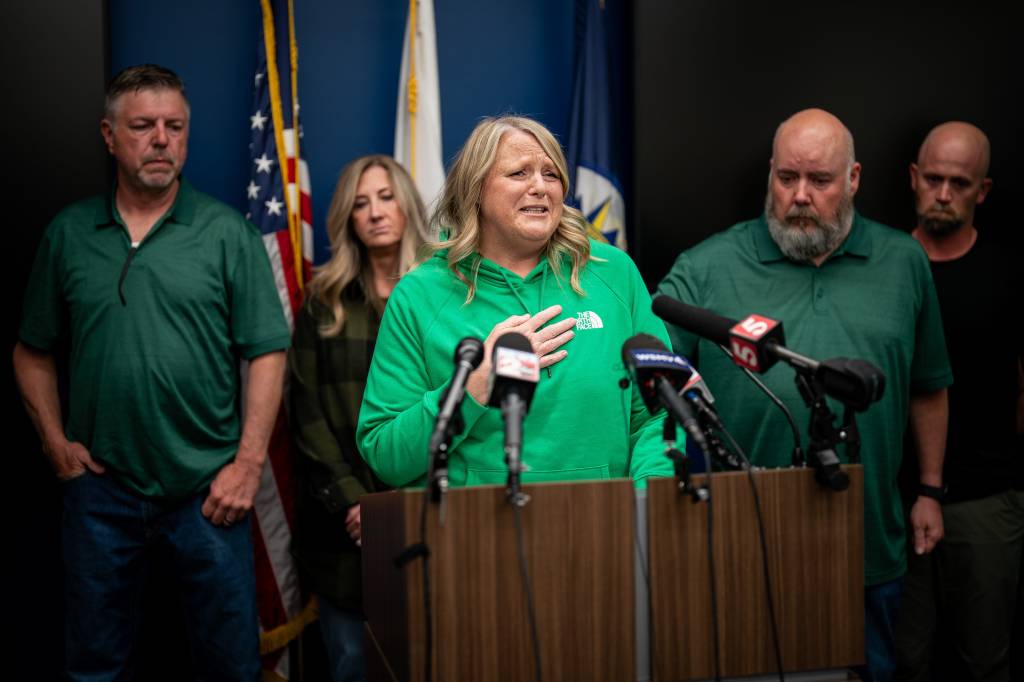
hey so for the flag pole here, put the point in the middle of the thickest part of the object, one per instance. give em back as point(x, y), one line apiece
point(411, 92)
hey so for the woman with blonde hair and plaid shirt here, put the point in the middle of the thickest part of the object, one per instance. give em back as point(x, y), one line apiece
point(376, 224)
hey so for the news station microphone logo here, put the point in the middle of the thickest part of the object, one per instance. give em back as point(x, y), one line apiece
point(517, 364)
point(747, 340)
point(652, 358)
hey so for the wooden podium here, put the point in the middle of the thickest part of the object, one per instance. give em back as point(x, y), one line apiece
point(815, 541)
point(579, 540)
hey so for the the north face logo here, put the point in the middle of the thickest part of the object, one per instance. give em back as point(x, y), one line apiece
point(588, 319)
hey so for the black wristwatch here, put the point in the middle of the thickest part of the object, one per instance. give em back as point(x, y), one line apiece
point(937, 493)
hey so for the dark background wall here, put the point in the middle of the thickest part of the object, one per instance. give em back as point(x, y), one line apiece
point(55, 66)
point(713, 78)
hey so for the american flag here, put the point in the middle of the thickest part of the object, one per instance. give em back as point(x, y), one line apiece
point(279, 205)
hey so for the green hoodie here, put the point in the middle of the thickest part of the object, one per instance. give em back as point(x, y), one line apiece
point(581, 424)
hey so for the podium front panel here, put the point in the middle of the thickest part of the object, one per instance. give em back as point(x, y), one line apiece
point(815, 540)
point(579, 543)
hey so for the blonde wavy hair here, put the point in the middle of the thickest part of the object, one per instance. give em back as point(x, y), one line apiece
point(458, 209)
point(348, 254)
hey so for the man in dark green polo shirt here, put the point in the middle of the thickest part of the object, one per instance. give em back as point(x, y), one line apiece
point(844, 286)
point(161, 289)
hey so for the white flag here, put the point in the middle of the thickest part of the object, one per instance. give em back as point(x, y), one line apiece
point(418, 115)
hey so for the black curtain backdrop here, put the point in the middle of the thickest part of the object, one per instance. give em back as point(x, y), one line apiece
point(713, 79)
point(54, 57)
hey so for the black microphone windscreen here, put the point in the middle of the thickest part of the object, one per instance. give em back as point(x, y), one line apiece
point(641, 342)
point(515, 367)
point(703, 323)
point(856, 383)
point(471, 350)
point(513, 340)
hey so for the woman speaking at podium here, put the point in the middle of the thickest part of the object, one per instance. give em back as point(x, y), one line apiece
point(514, 258)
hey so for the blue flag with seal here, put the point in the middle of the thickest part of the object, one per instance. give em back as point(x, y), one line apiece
point(595, 187)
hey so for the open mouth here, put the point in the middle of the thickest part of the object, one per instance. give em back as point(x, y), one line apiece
point(534, 210)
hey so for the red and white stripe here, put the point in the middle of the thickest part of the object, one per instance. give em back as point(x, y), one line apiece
point(279, 596)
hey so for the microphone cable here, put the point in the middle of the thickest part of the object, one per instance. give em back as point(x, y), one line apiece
point(428, 617)
point(524, 573)
point(644, 568)
point(645, 571)
point(757, 510)
point(468, 355)
point(420, 550)
point(707, 498)
point(764, 549)
point(798, 453)
point(712, 586)
point(640, 556)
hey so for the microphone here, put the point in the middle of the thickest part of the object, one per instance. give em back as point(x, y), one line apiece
point(757, 343)
point(468, 354)
point(857, 383)
point(514, 376)
point(696, 392)
point(660, 377)
point(753, 342)
point(696, 383)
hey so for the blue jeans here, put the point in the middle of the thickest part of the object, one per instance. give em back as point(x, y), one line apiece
point(109, 536)
point(342, 630)
point(881, 611)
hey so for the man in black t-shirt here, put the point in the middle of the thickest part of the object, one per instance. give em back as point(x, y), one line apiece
point(969, 588)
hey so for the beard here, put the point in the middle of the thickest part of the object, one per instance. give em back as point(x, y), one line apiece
point(158, 179)
point(804, 245)
point(940, 223)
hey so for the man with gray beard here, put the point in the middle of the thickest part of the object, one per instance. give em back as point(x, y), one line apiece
point(844, 286)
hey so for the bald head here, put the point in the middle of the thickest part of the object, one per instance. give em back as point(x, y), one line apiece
point(809, 205)
point(957, 140)
point(950, 177)
point(819, 128)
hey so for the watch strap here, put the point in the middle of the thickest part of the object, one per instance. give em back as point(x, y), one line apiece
point(937, 493)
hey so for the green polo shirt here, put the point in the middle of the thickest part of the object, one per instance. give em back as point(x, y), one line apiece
point(154, 379)
point(872, 299)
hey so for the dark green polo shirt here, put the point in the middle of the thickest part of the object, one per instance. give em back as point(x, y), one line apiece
point(872, 299)
point(154, 375)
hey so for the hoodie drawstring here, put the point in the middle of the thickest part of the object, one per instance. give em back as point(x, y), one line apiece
point(540, 300)
point(515, 292)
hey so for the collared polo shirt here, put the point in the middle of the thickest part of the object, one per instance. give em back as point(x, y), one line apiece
point(155, 334)
point(872, 299)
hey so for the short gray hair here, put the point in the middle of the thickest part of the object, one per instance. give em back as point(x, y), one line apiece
point(141, 77)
